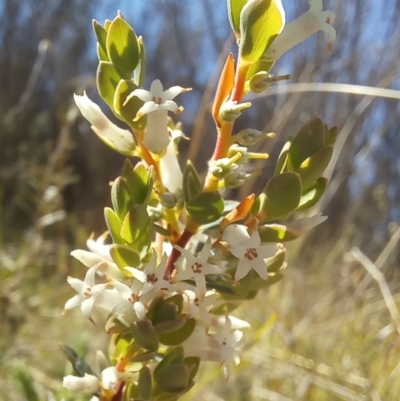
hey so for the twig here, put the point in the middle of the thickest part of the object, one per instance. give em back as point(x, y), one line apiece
point(380, 279)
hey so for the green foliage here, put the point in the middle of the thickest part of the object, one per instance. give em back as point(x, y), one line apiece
point(260, 22)
point(205, 207)
point(281, 195)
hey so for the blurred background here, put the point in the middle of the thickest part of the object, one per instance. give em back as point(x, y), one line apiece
point(330, 330)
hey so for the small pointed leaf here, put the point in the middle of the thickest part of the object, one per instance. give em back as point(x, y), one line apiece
point(114, 225)
point(178, 336)
point(145, 335)
point(312, 194)
point(312, 168)
point(282, 195)
point(309, 140)
point(122, 45)
point(124, 256)
point(205, 207)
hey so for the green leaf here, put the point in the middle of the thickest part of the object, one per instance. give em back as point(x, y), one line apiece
point(163, 312)
point(331, 136)
point(309, 140)
point(259, 66)
point(145, 383)
point(127, 112)
point(277, 262)
point(140, 183)
point(173, 378)
point(121, 197)
point(277, 233)
point(140, 71)
point(282, 195)
point(234, 10)
point(205, 207)
point(78, 363)
point(282, 159)
point(312, 194)
point(145, 335)
point(169, 325)
point(137, 228)
point(122, 46)
point(127, 168)
point(108, 77)
point(101, 36)
point(260, 23)
point(191, 182)
point(123, 344)
point(114, 225)
point(312, 168)
point(193, 363)
point(124, 256)
point(178, 336)
point(173, 357)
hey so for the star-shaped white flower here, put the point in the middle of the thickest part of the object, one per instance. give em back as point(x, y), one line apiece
point(116, 138)
point(220, 347)
point(196, 267)
point(248, 250)
point(131, 299)
point(200, 304)
point(295, 32)
point(157, 103)
point(87, 292)
point(152, 277)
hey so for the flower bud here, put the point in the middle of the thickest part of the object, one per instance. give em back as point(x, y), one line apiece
point(250, 136)
point(86, 384)
point(109, 378)
point(231, 110)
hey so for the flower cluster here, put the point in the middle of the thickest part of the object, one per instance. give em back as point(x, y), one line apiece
point(178, 257)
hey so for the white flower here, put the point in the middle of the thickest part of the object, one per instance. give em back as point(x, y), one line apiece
point(220, 347)
point(314, 20)
point(130, 299)
point(200, 304)
point(87, 292)
point(248, 250)
point(116, 138)
point(152, 277)
point(157, 104)
point(99, 255)
point(196, 267)
point(109, 378)
point(85, 384)
point(171, 173)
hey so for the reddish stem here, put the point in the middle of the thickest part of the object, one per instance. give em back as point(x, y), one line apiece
point(118, 395)
point(170, 267)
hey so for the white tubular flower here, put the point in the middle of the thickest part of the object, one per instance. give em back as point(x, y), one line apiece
point(87, 291)
point(196, 267)
point(116, 138)
point(157, 103)
point(109, 378)
point(171, 173)
point(295, 32)
point(86, 384)
point(248, 250)
point(152, 277)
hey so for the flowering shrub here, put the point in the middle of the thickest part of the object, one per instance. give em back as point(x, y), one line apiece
point(181, 257)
